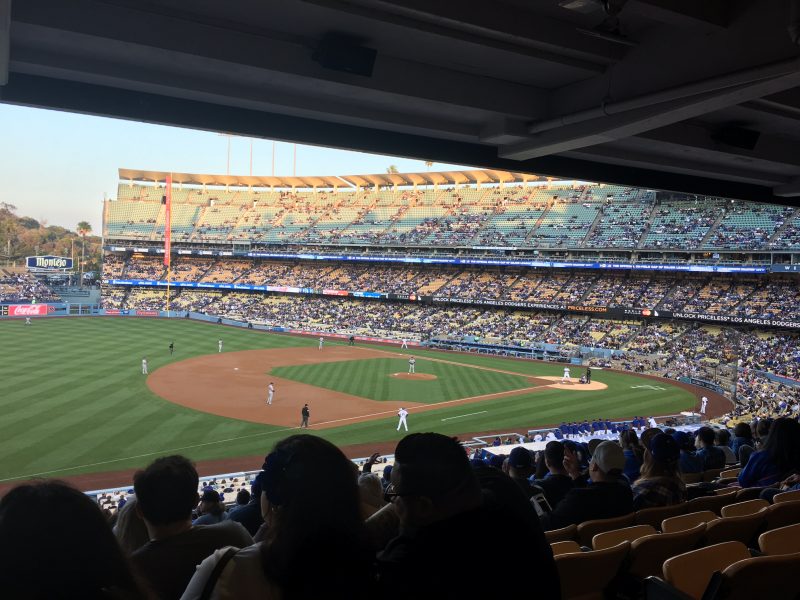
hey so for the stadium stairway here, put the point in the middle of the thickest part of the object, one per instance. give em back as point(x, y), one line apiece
point(779, 231)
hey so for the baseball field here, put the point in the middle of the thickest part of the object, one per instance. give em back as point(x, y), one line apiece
point(74, 399)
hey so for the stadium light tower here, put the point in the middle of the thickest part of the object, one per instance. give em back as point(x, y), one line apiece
point(229, 136)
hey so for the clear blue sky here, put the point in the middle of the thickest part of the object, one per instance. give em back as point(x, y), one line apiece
point(56, 166)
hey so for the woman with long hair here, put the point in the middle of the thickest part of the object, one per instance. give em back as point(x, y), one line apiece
point(634, 453)
point(315, 545)
point(660, 482)
point(779, 458)
point(56, 543)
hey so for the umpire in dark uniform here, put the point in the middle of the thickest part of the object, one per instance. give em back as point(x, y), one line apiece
point(305, 413)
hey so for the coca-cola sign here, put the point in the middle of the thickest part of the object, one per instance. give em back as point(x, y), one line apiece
point(27, 310)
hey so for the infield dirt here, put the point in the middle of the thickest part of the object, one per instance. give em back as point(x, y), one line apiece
point(234, 385)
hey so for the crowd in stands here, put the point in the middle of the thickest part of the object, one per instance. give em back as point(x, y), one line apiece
point(314, 525)
point(586, 216)
point(673, 349)
point(764, 298)
point(24, 288)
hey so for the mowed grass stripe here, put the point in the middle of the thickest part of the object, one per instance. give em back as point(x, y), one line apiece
point(72, 394)
point(371, 378)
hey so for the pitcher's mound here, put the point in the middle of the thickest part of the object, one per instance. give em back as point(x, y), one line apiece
point(575, 385)
point(415, 376)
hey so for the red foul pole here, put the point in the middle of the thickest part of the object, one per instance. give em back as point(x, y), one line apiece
point(168, 234)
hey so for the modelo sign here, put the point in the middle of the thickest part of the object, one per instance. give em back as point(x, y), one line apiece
point(49, 263)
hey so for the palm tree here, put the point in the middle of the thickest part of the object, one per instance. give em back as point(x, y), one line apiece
point(84, 229)
point(392, 169)
point(429, 164)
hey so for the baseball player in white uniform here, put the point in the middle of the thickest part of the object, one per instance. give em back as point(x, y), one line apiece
point(219, 345)
point(404, 344)
point(565, 378)
point(270, 392)
point(402, 413)
point(703, 404)
point(144, 366)
point(412, 365)
point(321, 342)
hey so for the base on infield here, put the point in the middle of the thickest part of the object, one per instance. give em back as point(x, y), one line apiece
point(414, 376)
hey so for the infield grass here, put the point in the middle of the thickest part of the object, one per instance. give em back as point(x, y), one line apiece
point(371, 378)
point(73, 400)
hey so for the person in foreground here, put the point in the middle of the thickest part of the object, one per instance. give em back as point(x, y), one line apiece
point(779, 459)
point(660, 483)
point(608, 495)
point(443, 512)
point(315, 545)
point(57, 544)
point(166, 493)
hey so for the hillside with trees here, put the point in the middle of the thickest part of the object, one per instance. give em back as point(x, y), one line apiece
point(25, 236)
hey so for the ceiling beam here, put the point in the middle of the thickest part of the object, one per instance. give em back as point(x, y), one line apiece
point(139, 33)
point(29, 90)
point(668, 163)
point(616, 120)
point(707, 16)
point(788, 190)
point(252, 93)
point(705, 141)
point(5, 39)
point(555, 40)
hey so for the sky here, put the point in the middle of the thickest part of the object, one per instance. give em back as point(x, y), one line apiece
point(57, 167)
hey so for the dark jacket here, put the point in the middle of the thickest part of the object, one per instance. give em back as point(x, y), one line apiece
point(555, 487)
point(601, 500)
point(248, 515)
point(713, 457)
point(435, 561)
point(167, 565)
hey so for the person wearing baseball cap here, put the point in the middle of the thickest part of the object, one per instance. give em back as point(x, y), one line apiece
point(660, 483)
point(519, 467)
point(607, 496)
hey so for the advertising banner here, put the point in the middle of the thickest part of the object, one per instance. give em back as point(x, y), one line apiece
point(736, 320)
point(492, 262)
point(28, 310)
point(49, 263)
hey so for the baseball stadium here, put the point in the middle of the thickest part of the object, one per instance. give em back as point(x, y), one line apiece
point(579, 357)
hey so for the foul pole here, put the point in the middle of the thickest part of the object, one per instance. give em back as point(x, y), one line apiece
point(168, 235)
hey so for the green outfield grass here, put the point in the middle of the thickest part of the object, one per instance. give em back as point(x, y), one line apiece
point(371, 379)
point(73, 399)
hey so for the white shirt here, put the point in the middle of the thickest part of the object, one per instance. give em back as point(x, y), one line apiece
point(242, 577)
point(402, 413)
point(271, 388)
point(412, 361)
point(704, 400)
